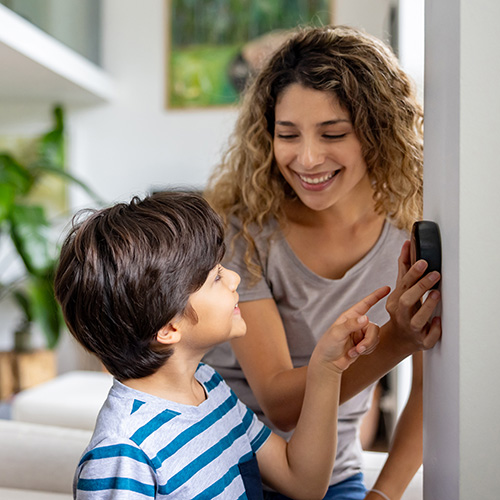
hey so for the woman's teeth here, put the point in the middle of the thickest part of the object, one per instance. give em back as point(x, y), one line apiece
point(317, 180)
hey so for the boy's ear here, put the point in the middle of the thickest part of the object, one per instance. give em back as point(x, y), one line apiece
point(169, 334)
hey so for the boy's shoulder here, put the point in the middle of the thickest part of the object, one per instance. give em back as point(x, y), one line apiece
point(207, 375)
point(129, 414)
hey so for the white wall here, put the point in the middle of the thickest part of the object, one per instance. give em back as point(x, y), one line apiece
point(462, 175)
point(370, 15)
point(134, 144)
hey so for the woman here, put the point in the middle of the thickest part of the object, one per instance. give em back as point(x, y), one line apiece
point(319, 187)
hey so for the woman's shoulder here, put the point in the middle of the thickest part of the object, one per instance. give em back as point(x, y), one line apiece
point(260, 234)
point(391, 240)
point(393, 232)
point(268, 226)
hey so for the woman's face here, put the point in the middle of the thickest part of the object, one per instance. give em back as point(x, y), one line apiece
point(316, 149)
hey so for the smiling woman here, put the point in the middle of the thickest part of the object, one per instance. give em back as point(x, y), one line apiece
point(319, 187)
point(317, 150)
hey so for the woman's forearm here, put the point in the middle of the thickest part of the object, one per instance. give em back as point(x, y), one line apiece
point(281, 399)
point(368, 369)
point(405, 454)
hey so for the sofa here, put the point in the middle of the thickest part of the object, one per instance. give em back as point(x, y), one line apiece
point(38, 461)
point(52, 424)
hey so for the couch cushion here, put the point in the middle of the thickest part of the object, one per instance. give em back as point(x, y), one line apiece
point(39, 457)
point(11, 494)
point(69, 400)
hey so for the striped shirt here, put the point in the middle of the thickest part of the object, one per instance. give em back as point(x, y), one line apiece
point(147, 447)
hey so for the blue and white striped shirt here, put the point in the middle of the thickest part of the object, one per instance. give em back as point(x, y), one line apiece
point(147, 447)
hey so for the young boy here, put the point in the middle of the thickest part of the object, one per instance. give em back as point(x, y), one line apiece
point(141, 286)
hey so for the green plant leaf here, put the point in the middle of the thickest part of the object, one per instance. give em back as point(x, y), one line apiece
point(30, 234)
point(46, 169)
point(15, 175)
point(7, 196)
point(23, 217)
point(45, 309)
point(24, 303)
point(51, 147)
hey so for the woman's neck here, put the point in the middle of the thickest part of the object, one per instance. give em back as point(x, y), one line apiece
point(356, 209)
point(342, 235)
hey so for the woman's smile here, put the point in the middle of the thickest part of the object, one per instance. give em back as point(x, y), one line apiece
point(318, 182)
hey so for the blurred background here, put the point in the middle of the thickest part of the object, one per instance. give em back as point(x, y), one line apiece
point(140, 111)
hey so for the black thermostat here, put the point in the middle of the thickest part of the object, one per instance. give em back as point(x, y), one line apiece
point(426, 245)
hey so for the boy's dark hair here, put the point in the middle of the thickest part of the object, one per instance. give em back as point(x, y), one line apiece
point(128, 270)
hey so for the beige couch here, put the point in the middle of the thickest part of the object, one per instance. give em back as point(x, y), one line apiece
point(38, 461)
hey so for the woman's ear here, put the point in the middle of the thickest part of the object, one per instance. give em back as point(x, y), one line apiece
point(169, 334)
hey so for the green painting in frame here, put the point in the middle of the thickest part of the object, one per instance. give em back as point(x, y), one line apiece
point(216, 45)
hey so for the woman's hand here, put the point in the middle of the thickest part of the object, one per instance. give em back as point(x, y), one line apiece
point(410, 311)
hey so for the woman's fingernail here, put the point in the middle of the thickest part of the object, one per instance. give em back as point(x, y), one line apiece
point(362, 319)
point(421, 265)
point(361, 349)
point(433, 276)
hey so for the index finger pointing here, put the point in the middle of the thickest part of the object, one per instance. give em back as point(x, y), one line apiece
point(365, 304)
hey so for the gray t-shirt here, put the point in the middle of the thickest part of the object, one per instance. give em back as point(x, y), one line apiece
point(308, 305)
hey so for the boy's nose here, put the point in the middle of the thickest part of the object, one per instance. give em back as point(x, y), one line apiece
point(234, 280)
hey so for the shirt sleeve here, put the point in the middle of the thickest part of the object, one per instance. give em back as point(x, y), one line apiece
point(258, 433)
point(115, 471)
point(235, 261)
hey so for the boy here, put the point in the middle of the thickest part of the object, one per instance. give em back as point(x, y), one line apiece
point(141, 286)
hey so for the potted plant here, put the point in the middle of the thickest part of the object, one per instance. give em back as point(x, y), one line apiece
point(30, 232)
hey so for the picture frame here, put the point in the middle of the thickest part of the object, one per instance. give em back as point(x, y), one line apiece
point(215, 46)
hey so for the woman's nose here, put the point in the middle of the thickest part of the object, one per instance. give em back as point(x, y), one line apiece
point(310, 154)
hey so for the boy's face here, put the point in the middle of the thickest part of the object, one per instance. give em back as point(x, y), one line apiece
point(216, 306)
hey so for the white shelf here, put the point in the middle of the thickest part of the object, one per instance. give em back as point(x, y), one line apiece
point(36, 67)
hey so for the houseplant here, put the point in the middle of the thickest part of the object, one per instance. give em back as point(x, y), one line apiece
point(31, 235)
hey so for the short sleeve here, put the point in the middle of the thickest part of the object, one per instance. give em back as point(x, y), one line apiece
point(258, 433)
point(235, 260)
point(115, 470)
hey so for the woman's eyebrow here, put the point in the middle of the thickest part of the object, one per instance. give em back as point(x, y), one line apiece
point(285, 123)
point(334, 122)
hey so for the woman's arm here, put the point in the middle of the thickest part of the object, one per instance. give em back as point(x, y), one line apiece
point(410, 328)
point(265, 359)
point(405, 454)
point(279, 388)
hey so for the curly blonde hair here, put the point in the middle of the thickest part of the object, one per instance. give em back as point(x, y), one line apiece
point(366, 78)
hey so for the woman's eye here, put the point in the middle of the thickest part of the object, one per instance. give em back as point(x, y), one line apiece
point(334, 136)
point(287, 136)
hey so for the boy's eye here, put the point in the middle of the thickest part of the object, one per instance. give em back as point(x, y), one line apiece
point(219, 274)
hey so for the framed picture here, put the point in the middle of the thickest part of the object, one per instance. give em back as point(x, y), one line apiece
point(216, 45)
